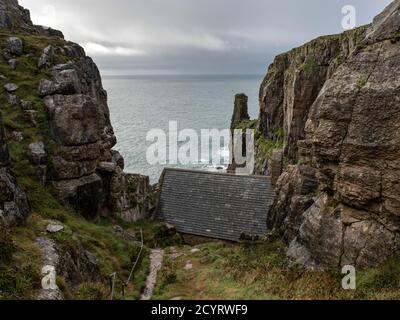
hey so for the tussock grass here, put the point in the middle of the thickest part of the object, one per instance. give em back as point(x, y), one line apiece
point(261, 271)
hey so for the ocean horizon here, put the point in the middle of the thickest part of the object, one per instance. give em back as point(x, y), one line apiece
point(140, 103)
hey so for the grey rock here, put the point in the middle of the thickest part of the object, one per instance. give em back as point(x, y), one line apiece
point(13, 100)
point(2, 77)
point(338, 204)
point(13, 16)
point(107, 167)
point(118, 159)
point(36, 153)
point(12, 63)
point(129, 196)
point(240, 112)
point(75, 119)
point(47, 88)
point(82, 195)
point(11, 87)
point(46, 60)
point(26, 105)
point(67, 82)
point(54, 228)
point(15, 46)
point(14, 206)
point(48, 32)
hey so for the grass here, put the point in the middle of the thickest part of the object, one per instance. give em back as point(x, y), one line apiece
point(261, 272)
point(362, 82)
point(308, 64)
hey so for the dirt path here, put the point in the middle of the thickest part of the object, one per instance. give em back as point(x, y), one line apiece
point(156, 259)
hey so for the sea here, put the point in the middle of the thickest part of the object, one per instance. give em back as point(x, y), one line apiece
point(140, 104)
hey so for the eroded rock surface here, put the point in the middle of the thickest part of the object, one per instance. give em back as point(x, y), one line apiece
point(337, 99)
point(14, 206)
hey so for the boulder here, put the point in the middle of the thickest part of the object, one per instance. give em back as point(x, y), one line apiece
point(74, 119)
point(107, 167)
point(13, 100)
point(47, 88)
point(54, 228)
point(36, 153)
point(15, 46)
point(48, 32)
point(10, 87)
point(46, 60)
point(67, 82)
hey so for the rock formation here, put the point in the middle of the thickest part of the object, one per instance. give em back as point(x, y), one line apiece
point(14, 207)
point(13, 17)
point(76, 156)
point(337, 101)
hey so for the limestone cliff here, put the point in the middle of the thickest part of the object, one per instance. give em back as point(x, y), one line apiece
point(336, 99)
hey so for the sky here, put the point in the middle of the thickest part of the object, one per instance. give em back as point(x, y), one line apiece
point(135, 37)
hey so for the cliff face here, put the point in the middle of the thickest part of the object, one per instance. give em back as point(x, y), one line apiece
point(337, 101)
point(57, 97)
point(14, 207)
point(56, 158)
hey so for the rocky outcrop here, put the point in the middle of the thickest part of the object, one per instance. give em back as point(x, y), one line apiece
point(337, 99)
point(76, 105)
point(14, 206)
point(240, 116)
point(131, 196)
point(240, 112)
point(75, 267)
point(13, 17)
point(76, 153)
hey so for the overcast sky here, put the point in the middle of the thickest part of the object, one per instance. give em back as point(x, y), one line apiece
point(193, 36)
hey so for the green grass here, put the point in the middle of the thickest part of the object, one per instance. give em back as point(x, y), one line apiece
point(261, 271)
point(362, 82)
point(308, 64)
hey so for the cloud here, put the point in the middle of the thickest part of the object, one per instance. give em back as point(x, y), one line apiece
point(98, 49)
point(232, 36)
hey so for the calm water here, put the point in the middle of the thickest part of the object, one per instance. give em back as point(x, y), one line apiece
point(139, 104)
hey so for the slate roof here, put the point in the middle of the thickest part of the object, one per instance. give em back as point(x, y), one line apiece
point(215, 205)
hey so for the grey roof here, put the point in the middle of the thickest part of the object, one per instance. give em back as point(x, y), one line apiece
point(215, 205)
